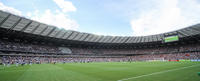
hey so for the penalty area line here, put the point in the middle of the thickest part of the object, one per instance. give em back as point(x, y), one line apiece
point(156, 73)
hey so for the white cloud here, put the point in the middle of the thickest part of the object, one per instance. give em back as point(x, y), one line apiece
point(58, 19)
point(9, 9)
point(168, 16)
point(66, 6)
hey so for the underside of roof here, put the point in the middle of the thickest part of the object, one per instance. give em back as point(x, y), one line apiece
point(12, 22)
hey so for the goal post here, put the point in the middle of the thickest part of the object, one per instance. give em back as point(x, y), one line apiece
point(159, 59)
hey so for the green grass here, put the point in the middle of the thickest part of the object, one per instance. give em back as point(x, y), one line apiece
point(112, 71)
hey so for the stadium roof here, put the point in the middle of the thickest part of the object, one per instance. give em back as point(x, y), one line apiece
point(13, 22)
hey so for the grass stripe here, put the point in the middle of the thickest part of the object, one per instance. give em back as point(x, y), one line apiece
point(157, 73)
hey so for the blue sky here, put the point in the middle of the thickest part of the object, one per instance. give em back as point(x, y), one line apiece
point(110, 17)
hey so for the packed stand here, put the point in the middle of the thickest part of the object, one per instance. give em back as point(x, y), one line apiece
point(29, 60)
point(159, 50)
point(23, 47)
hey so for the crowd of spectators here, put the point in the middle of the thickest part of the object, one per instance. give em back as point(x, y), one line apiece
point(176, 56)
point(38, 48)
point(158, 50)
point(24, 47)
point(7, 60)
point(165, 53)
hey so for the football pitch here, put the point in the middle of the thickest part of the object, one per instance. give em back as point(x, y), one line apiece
point(104, 71)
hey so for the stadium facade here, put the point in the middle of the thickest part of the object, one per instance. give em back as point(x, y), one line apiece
point(24, 37)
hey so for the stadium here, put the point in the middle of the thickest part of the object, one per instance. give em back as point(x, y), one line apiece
point(34, 51)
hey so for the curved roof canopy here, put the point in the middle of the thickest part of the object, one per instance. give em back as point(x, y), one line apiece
point(17, 23)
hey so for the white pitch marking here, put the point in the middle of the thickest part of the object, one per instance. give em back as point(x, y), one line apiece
point(156, 73)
